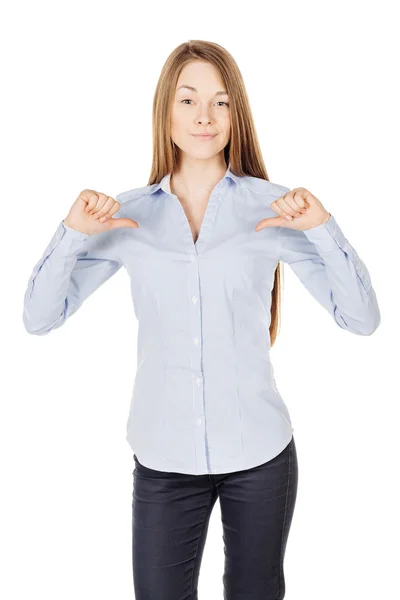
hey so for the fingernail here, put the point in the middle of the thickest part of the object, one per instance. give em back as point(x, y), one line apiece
point(288, 217)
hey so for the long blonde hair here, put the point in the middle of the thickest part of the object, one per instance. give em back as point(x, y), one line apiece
point(243, 151)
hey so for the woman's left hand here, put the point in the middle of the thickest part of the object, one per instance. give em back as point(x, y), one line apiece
point(304, 210)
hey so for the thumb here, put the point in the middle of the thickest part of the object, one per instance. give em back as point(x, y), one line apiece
point(271, 222)
point(123, 222)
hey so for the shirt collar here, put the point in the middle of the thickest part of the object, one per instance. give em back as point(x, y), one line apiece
point(164, 183)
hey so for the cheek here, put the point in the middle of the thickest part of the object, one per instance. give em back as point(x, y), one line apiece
point(226, 122)
point(179, 120)
point(226, 126)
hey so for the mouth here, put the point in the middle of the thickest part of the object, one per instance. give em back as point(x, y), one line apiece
point(204, 136)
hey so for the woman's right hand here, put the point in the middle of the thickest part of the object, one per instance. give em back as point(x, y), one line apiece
point(89, 208)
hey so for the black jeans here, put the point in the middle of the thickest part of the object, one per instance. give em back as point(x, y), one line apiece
point(170, 516)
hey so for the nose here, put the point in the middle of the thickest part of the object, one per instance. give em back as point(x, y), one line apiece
point(203, 116)
point(203, 120)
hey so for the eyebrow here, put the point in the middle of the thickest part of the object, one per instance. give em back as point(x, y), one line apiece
point(190, 87)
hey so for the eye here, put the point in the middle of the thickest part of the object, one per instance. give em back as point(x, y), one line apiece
point(219, 102)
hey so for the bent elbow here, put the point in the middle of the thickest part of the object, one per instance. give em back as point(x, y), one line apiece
point(365, 327)
point(373, 324)
point(34, 327)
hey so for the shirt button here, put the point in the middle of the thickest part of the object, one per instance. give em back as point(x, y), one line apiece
point(198, 380)
point(196, 341)
point(199, 421)
point(194, 299)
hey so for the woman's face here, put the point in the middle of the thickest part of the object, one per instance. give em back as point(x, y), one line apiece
point(203, 107)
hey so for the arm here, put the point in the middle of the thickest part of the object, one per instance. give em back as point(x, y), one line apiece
point(331, 270)
point(71, 268)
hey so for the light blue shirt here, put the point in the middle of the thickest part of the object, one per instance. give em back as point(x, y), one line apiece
point(204, 398)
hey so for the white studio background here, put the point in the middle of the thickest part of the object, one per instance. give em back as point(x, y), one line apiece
point(78, 84)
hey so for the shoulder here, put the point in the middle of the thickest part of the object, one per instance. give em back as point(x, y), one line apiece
point(262, 186)
point(135, 193)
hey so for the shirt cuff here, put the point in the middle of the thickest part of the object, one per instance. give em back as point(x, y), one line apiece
point(74, 234)
point(327, 237)
point(67, 240)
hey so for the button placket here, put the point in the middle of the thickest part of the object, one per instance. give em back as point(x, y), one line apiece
point(196, 361)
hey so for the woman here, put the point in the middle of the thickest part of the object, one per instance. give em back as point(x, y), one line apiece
point(203, 244)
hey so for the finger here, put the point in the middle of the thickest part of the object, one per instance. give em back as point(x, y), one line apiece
point(100, 211)
point(92, 199)
point(98, 205)
point(121, 222)
point(111, 211)
point(296, 202)
point(282, 213)
point(270, 222)
point(288, 205)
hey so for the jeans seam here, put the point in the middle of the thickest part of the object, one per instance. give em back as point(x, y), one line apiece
point(198, 542)
point(284, 521)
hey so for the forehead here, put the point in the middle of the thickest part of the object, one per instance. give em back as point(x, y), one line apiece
point(186, 87)
point(198, 77)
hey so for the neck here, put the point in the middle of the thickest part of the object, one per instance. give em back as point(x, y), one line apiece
point(195, 178)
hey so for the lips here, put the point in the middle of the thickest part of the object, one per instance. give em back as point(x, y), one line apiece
point(204, 135)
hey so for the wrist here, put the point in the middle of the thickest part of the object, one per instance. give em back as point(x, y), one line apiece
point(67, 224)
point(328, 216)
point(325, 220)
